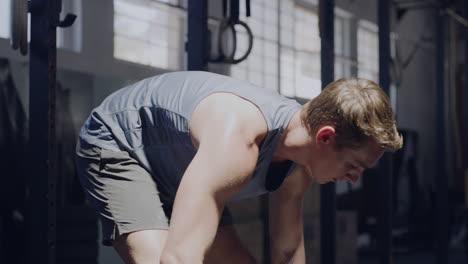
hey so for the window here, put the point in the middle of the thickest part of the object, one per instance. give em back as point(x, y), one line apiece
point(173, 2)
point(150, 33)
point(71, 38)
point(344, 54)
point(261, 67)
point(5, 18)
point(308, 3)
point(368, 51)
point(307, 54)
point(67, 38)
point(299, 51)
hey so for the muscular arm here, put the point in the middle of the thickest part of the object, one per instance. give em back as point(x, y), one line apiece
point(226, 157)
point(286, 222)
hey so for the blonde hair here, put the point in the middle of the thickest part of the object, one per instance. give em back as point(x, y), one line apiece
point(358, 109)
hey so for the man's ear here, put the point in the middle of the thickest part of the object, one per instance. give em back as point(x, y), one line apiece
point(325, 135)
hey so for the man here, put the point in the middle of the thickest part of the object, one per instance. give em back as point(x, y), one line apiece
point(159, 160)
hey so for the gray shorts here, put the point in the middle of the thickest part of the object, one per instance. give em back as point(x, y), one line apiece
point(124, 194)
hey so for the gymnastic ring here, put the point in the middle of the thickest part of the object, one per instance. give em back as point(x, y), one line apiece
point(232, 60)
point(223, 26)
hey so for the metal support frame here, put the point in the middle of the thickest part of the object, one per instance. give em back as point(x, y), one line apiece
point(384, 218)
point(465, 111)
point(441, 181)
point(327, 191)
point(465, 95)
point(197, 43)
point(41, 205)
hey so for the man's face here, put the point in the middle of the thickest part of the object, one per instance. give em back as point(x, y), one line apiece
point(346, 164)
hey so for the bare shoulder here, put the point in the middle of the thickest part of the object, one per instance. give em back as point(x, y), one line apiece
point(226, 114)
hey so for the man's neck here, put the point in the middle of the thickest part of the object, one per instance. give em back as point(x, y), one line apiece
point(288, 141)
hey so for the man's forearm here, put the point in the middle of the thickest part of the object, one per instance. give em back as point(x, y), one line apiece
point(296, 256)
point(286, 223)
point(299, 256)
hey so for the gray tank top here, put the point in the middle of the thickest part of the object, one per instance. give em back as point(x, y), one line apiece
point(150, 120)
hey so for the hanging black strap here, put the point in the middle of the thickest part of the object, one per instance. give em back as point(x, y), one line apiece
point(234, 10)
point(224, 8)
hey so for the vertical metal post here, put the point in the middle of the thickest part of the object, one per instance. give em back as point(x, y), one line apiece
point(327, 191)
point(278, 24)
point(196, 46)
point(465, 98)
point(465, 114)
point(41, 226)
point(384, 220)
point(441, 180)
